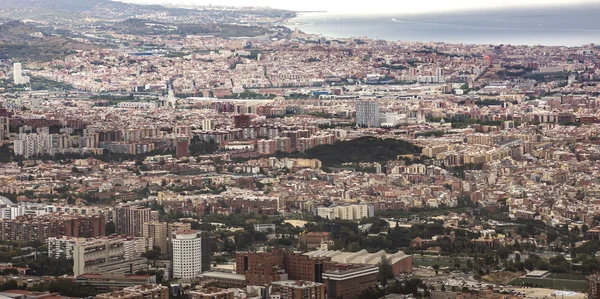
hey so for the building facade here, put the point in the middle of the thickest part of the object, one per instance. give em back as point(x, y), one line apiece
point(297, 289)
point(367, 114)
point(130, 220)
point(187, 255)
point(158, 232)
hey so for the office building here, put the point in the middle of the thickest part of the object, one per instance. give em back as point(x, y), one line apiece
point(261, 268)
point(303, 267)
point(18, 74)
point(101, 255)
point(297, 289)
point(350, 282)
point(367, 114)
point(189, 255)
point(130, 220)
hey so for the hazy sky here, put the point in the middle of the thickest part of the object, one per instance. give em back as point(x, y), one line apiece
point(377, 6)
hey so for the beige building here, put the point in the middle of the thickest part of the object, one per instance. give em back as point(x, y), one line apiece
point(290, 289)
point(211, 293)
point(157, 231)
point(91, 255)
point(130, 220)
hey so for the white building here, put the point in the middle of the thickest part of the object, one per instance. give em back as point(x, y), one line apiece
point(34, 144)
point(367, 113)
point(18, 74)
point(88, 254)
point(265, 227)
point(207, 124)
point(439, 76)
point(187, 255)
point(346, 212)
point(139, 105)
point(29, 145)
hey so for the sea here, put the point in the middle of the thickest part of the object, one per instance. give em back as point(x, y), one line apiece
point(550, 26)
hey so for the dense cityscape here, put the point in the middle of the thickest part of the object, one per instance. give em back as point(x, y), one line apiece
point(216, 153)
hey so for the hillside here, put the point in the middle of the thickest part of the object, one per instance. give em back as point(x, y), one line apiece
point(149, 27)
point(19, 41)
point(62, 11)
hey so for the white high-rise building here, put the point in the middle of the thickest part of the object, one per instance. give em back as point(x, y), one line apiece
point(18, 74)
point(207, 124)
point(29, 145)
point(187, 254)
point(346, 212)
point(439, 76)
point(367, 113)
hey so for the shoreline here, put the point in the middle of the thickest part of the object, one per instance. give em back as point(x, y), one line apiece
point(374, 27)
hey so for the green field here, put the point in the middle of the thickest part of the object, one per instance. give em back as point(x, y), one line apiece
point(443, 262)
point(558, 284)
point(567, 276)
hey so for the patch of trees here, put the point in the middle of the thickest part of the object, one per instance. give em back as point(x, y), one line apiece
point(198, 147)
point(459, 171)
point(365, 149)
point(489, 102)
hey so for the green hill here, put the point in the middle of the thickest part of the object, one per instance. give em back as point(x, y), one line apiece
point(364, 149)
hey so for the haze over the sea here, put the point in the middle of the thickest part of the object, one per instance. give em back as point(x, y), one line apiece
point(377, 6)
point(566, 25)
point(522, 22)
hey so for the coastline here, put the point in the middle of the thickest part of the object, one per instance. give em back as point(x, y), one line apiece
point(549, 27)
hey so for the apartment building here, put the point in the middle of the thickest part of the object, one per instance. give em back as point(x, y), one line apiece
point(130, 220)
point(297, 289)
point(158, 232)
point(346, 212)
point(190, 254)
point(30, 227)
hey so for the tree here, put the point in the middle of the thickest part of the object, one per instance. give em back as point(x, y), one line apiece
point(551, 236)
point(11, 284)
point(385, 270)
point(354, 247)
point(503, 253)
point(152, 254)
point(436, 267)
point(470, 264)
point(588, 248)
point(110, 228)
